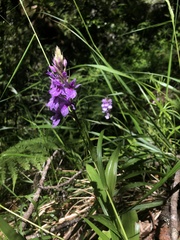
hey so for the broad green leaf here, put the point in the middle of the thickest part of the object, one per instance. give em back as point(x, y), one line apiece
point(131, 226)
point(115, 237)
point(144, 206)
point(96, 182)
point(99, 147)
point(99, 159)
point(97, 230)
point(107, 233)
point(148, 145)
point(134, 185)
point(111, 172)
point(9, 231)
point(104, 220)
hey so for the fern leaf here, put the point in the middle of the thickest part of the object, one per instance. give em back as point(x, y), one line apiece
point(23, 156)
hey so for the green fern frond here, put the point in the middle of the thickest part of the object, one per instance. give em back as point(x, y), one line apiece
point(24, 155)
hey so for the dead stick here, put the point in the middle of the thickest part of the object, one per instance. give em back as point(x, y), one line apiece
point(28, 213)
point(59, 186)
point(174, 205)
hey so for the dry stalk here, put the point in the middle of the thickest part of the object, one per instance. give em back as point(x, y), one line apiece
point(28, 213)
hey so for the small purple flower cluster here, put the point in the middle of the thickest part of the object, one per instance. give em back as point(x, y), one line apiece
point(61, 90)
point(106, 107)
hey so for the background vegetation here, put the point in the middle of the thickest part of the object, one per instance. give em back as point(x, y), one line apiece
point(127, 50)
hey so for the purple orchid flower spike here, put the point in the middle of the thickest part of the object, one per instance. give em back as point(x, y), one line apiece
point(61, 90)
point(106, 106)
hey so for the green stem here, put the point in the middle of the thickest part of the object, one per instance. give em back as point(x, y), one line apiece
point(83, 131)
point(34, 32)
point(117, 217)
point(31, 223)
point(17, 67)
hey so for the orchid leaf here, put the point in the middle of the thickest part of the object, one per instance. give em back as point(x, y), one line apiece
point(104, 220)
point(96, 182)
point(9, 231)
point(131, 226)
point(111, 172)
point(99, 159)
point(102, 235)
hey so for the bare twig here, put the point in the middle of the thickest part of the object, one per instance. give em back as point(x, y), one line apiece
point(174, 205)
point(28, 213)
point(59, 186)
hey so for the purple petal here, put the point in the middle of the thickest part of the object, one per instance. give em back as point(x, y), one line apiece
point(61, 90)
point(106, 107)
point(55, 120)
point(70, 93)
point(52, 104)
point(52, 68)
point(65, 63)
point(107, 116)
point(64, 110)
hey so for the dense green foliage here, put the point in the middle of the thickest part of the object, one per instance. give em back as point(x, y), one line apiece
point(128, 40)
point(127, 50)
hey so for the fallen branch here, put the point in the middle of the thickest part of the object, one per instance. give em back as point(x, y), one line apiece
point(28, 213)
point(59, 186)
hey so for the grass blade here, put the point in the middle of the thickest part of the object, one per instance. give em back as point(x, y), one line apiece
point(9, 231)
point(97, 230)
